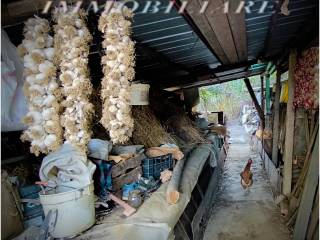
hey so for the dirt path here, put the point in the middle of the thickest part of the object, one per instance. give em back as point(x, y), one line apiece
point(238, 214)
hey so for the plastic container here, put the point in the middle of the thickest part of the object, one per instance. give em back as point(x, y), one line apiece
point(152, 167)
point(139, 94)
point(30, 209)
point(76, 212)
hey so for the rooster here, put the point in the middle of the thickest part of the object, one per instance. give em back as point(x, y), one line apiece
point(246, 175)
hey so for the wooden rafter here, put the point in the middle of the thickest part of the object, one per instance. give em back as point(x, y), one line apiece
point(226, 33)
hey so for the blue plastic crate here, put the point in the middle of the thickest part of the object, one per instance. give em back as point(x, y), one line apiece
point(152, 167)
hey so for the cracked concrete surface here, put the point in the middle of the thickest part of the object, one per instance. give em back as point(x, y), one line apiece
point(244, 214)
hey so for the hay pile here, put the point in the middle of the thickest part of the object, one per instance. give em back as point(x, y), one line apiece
point(147, 129)
point(220, 130)
point(184, 128)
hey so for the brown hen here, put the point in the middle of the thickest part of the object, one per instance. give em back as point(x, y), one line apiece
point(246, 176)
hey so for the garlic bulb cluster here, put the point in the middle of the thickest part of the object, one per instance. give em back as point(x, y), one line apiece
point(72, 41)
point(306, 79)
point(41, 89)
point(118, 68)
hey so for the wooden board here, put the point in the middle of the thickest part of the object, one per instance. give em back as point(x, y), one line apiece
point(202, 23)
point(307, 199)
point(219, 23)
point(289, 137)
point(129, 177)
point(314, 219)
point(238, 27)
point(123, 166)
point(276, 127)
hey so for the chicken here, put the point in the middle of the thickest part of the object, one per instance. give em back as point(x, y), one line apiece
point(246, 175)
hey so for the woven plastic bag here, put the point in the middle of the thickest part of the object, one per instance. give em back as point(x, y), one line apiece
point(13, 101)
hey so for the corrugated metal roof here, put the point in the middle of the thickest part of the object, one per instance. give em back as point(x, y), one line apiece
point(171, 35)
point(257, 27)
point(285, 29)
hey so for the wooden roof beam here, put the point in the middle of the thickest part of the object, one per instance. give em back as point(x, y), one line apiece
point(225, 33)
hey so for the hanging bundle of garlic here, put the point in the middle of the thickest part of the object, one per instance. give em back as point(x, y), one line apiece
point(72, 42)
point(307, 80)
point(41, 88)
point(118, 68)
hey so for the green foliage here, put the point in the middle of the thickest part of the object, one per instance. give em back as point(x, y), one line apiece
point(227, 97)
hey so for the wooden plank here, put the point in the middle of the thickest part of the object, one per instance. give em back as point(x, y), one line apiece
point(254, 99)
point(26, 8)
point(13, 160)
point(200, 20)
point(268, 97)
point(238, 28)
point(129, 177)
point(262, 101)
point(309, 190)
point(288, 148)
point(275, 131)
point(314, 220)
point(123, 166)
point(219, 23)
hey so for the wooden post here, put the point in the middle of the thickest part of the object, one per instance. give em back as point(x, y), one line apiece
point(254, 99)
point(307, 199)
point(262, 100)
point(288, 146)
point(275, 131)
point(268, 97)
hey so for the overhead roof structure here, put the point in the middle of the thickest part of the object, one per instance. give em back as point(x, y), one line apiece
point(197, 43)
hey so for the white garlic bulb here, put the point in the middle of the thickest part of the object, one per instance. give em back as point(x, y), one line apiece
point(43, 100)
point(118, 71)
point(72, 39)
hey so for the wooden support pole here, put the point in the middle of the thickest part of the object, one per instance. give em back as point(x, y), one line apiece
point(307, 199)
point(268, 97)
point(262, 100)
point(254, 99)
point(288, 147)
point(275, 130)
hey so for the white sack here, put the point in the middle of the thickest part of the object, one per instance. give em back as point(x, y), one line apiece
point(13, 101)
point(68, 167)
point(99, 148)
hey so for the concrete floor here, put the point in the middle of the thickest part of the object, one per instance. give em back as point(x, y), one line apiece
point(239, 214)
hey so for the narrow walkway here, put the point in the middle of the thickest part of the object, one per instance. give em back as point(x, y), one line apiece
point(238, 214)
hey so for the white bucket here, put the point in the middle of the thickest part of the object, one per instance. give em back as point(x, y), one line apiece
point(76, 212)
point(139, 94)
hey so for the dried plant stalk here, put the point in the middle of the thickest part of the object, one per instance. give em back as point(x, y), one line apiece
point(147, 129)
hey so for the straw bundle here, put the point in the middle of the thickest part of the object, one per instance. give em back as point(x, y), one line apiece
point(184, 128)
point(147, 129)
point(220, 130)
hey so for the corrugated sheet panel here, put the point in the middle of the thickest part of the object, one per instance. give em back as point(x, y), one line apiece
point(287, 28)
point(170, 35)
point(257, 26)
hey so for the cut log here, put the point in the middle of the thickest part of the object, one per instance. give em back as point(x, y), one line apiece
point(173, 186)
